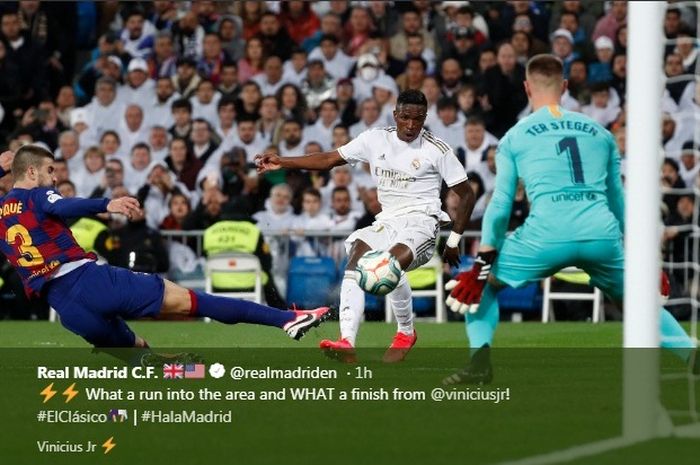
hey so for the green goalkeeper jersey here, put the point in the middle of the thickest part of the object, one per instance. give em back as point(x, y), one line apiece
point(570, 167)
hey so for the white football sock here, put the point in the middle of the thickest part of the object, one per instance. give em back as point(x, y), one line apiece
point(401, 302)
point(352, 306)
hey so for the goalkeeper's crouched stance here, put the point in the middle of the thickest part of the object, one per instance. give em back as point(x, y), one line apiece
point(570, 167)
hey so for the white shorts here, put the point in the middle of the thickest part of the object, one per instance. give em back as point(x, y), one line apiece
point(416, 232)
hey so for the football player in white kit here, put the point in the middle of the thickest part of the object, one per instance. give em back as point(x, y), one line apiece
point(408, 164)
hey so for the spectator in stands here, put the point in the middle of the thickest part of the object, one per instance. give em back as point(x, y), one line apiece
point(155, 194)
point(206, 14)
point(369, 117)
point(186, 78)
point(522, 46)
point(347, 105)
point(178, 207)
point(274, 37)
point(372, 208)
point(385, 92)
point(250, 13)
point(164, 14)
point(569, 21)
point(112, 179)
point(585, 18)
point(477, 140)
point(212, 59)
point(67, 189)
point(341, 176)
point(563, 48)
point(578, 81)
point(131, 243)
point(106, 64)
point(322, 130)
point(203, 144)
point(70, 151)
point(292, 102)
point(680, 250)
point(183, 163)
point(451, 77)
point(318, 85)
point(228, 84)
point(295, 67)
point(414, 74)
point(88, 178)
point(671, 179)
point(60, 171)
point(602, 108)
point(342, 215)
point(330, 24)
point(132, 129)
point(208, 211)
point(619, 76)
point(205, 101)
point(158, 142)
point(311, 219)
point(269, 126)
point(464, 49)
point(111, 144)
point(505, 94)
point(431, 90)
point(271, 79)
point(252, 62)
point(278, 214)
point(449, 127)
point(188, 36)
point(686, 49)
point(43, 123)
point(299, 20)
point(468, 102)
point(248, 104)
point(182, 117)
point(601, 69)
point(137, 169)
point(336, 63)
point(138, 34)
point(230, 29)
point(368, 71)
point(614, 19)
point(28, 58)
point(65, 103)
point(105, 111)
point(162, 62)
point(689, 166)
point(236, 182)
point(159, 110)
point(250, 139)
point(225, 123)
point(411, 24)
point(357, 30)
point(292, 141)
point(341, 135)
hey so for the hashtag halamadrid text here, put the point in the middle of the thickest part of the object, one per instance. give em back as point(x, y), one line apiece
point(186, 416)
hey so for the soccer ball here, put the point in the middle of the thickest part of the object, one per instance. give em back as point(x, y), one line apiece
point(378, 272)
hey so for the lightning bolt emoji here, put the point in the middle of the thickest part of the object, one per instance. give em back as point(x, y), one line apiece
point(70, 392)
point(48, 393)
point(109, 445)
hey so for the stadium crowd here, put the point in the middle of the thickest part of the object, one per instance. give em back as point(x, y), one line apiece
point(171, 101)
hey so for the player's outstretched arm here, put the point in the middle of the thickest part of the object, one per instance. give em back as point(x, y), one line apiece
point(464, 212)
point(6, 159)
point(52, 203)
point(321, 161)
point(466, 288)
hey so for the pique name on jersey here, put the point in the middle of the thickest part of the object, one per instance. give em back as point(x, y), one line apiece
point(563, 125)
point(11, 208)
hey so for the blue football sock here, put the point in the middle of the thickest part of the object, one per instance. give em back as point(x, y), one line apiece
point(482, 325)
point(231, 311)
point(674, 337)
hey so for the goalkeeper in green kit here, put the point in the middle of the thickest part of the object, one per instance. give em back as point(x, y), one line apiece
point(570, 167)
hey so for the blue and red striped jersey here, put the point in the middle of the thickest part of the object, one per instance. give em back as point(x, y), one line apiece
point(34, 237)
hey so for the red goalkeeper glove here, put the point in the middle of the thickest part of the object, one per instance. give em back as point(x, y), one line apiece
point(664, 286)
point(467, 287)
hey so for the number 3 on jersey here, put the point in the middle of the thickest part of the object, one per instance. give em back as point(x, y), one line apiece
point(30, 254)
point(570, 146)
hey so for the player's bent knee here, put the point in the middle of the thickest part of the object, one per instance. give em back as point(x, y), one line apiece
point(403, 254)
point(359, 248)
point(176, 300)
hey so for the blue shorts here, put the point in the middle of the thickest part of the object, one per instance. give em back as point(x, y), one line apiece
point(93, 301)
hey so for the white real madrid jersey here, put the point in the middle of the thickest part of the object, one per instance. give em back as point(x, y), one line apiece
point(408, 175)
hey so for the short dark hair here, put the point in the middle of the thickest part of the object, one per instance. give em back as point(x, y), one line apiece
point(225, 100)
point(340, 189)
point(181, 103)
point(312, 191)
point(420, 60)
point(545, 65)
point(446, 102)
point(412, 97)
point(475, 121)
point(29, 155)
point(140, 145)
point(332, 101)
point(330, 37)
point(668, 161)
point(111, 132)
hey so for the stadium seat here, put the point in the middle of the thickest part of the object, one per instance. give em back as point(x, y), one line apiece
point(247, 282)
point(438, 292)
point(310, 281)
point(524, 299)
point(575, 276)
